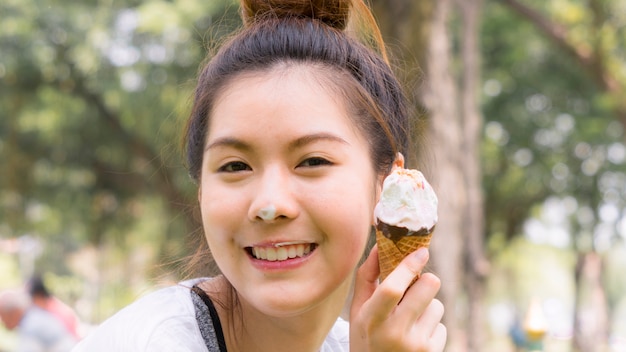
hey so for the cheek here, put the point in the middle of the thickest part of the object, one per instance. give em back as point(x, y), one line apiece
point(218, 211)
point(354, 215)
point(351, 242)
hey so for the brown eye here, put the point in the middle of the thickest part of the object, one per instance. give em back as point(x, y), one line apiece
point(313, 162)
point(234, 166)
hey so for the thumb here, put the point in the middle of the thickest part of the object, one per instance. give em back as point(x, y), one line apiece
point(366, 281)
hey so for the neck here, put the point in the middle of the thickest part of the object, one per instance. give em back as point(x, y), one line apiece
point(40, 301)
point(248, 329)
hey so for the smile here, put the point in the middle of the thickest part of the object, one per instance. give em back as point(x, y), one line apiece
point(280, 252)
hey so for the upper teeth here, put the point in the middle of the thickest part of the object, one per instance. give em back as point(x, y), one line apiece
point(281, 252)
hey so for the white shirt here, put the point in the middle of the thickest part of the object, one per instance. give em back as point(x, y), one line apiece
point(165, 321)
point(40, 331)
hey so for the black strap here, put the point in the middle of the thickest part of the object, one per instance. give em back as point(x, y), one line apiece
point(215, 319)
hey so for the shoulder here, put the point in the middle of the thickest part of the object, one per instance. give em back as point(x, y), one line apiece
point(39, 321)
point(39, 328)
point(156, 322)
point(338, 338)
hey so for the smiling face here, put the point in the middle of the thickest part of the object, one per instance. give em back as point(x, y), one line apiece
point(287, 190)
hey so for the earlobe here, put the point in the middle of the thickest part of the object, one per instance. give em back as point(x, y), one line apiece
point(399, 162)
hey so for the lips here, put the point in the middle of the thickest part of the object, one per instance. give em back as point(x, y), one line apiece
point(281, 251)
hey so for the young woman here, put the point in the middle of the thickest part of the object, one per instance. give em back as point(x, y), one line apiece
point(294, 127)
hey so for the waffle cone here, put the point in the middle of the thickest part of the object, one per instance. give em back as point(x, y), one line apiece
point(391, 253)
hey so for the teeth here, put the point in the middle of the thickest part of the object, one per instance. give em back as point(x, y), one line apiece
point(271, 254)
point(282, 252)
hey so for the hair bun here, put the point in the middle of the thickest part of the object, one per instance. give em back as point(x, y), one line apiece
point(334, 13)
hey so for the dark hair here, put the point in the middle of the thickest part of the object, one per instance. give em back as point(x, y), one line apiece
point(315, 33)
point(307, 32)
point(36, 287)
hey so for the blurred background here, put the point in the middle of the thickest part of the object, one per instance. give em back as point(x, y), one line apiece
point(524, 103)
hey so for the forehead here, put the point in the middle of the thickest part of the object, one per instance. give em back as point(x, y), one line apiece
point(286, 95)
point(288, 78)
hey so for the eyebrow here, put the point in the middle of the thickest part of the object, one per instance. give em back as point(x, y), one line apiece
point(298, 143)
point(315, 137)
point(228, 142)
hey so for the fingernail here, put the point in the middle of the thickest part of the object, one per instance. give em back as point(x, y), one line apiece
point(421, 254)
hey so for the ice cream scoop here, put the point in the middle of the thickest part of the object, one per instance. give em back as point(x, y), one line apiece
point(406, 215)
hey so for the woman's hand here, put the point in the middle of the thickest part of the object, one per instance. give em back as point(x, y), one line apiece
point(388, 317)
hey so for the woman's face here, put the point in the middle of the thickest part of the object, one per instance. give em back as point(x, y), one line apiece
point(287, 191)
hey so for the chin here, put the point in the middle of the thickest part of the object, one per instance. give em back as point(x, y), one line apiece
point(285, 303)
point(291, 300)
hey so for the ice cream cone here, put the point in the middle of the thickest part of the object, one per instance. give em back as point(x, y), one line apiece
point(391, 253)
point(406, 216)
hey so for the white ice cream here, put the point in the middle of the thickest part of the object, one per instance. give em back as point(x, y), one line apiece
point(407, 200)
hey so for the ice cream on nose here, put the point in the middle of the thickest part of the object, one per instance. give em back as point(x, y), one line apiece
point(267, 213)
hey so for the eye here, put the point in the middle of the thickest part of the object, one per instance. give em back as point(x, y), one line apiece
point(316, 161)
point(234, 166)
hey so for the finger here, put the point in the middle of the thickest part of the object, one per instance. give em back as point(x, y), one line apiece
point(419, 301)
point(430, 319)
point(438, 338)
point(428, 330)
point(393, 288)
point(366, 280)
point(410, 268)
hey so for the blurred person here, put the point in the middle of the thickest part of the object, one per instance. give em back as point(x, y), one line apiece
point(37, 329)
point(44, 299)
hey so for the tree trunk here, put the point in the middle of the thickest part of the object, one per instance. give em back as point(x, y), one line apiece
point(453, 135)
point(477, 266)
point(405, 25)
point(446, 133)
point(591, 313)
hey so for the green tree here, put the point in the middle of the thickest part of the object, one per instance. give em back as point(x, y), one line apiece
point(551, 77)
point(554, 76)
point(93, 97)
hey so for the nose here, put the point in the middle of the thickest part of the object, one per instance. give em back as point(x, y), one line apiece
point(274, 196)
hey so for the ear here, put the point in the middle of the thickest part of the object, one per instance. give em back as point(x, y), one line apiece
point(199, 193)
point(399, 162)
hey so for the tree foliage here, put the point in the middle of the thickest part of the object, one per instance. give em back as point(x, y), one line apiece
point(551, 129)
point(554, 141)
point(93, 97)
